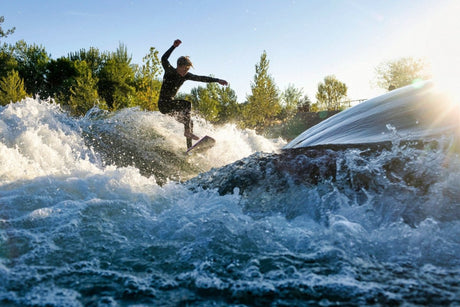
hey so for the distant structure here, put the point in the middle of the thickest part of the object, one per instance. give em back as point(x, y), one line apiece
point(349, 102)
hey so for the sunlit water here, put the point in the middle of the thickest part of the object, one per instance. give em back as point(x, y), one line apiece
point(106, 210)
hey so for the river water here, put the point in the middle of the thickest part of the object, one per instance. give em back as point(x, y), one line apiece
point(106, 210)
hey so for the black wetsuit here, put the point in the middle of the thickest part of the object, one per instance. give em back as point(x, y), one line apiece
point(172, 81)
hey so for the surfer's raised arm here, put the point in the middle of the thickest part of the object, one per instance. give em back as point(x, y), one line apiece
point(164, 58)
point(176, 43)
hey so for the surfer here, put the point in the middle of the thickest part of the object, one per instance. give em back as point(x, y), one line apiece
point(173, 78)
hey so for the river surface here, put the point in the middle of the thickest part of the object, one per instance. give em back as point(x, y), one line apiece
point(107, 210)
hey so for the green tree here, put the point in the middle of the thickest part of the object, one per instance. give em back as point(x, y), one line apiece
point(93, 57)
point(229, 107)
point(147, 81)
point(4, 33)
point(305, 104)
point(331, 93)
point(83, 94)
point(206, 101)
point(60, 76)
point(264, 103)
point(291, 98)
point(116, 80)
point(400, 72)
point(11, 88)
point(216, 104)
point(7, 60)
point(32, 62)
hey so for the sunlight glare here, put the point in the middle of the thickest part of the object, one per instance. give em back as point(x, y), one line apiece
point(444, 48)
point(434, 37)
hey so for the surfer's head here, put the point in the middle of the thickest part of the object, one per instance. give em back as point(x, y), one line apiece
point(184, 61)
point(183, 65)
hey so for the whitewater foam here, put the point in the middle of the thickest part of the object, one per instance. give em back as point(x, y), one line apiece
point(40, 139)
point(349, 226)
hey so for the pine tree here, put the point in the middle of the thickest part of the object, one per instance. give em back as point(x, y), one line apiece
point(7, 60)
point(83, 94)
point(93, 57)
point(264, 103)
point(11, 88)
point(4, 33)
point(116, 80)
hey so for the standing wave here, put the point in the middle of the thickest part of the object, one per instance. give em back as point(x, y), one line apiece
point(333, 225)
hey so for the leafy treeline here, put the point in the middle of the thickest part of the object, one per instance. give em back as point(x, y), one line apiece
point(82, 79)
point(109, 80)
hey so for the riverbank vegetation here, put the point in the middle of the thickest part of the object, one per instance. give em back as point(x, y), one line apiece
point(108, 79)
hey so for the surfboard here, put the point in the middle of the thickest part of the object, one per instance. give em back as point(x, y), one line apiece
point(203, 144)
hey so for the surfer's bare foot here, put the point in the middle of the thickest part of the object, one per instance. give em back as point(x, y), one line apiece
point(190, 135)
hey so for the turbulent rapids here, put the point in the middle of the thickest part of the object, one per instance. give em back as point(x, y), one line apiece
point(107, 210)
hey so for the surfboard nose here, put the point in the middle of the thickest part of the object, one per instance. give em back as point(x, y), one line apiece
point(203, 144)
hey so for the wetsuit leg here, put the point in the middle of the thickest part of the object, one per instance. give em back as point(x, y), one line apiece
point(181, 111)
point(189, 127)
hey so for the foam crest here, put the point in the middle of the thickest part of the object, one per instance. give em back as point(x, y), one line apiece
point(233, 144)
point(39, 139)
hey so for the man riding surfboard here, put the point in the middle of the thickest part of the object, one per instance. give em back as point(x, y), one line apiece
point(173, 79)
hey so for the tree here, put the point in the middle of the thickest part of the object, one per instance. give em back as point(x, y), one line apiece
point(147, 81)
point(206, 101)
point(2, 32)
point(400, 72)
point(92, 57)
point(11, 88)
point(116, 80)
point(304, 105)
point(83, 94)
point(60, 75)
point(214, 103)
point(229, 107)
point(264, 102)
point(291, 98)
point(7, 60)
point(31, 65)
point(331, 93)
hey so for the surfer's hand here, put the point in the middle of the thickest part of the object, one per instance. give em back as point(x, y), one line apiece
point(177, 42)
point(223, 82)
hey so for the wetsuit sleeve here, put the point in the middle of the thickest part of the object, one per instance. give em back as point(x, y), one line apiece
point(193, 77)
point(164, 58)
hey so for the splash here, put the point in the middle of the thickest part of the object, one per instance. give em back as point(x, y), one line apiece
point(40, 139)
point(353, 225)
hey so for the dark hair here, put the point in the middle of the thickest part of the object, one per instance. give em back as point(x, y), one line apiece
point(184, 61)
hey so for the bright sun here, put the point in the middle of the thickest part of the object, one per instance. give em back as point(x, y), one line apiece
point(435, 37)
point(442, 46)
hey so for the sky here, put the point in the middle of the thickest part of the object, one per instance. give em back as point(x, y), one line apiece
point(305, 40)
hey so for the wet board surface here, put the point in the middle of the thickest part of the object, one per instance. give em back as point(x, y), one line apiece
point(203, 144)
